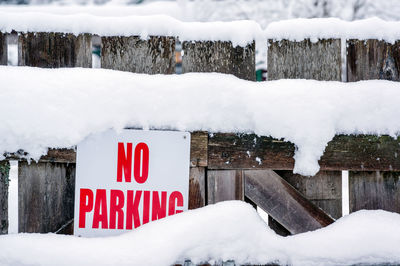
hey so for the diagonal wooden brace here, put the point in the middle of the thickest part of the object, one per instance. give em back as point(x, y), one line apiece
point(283, 202)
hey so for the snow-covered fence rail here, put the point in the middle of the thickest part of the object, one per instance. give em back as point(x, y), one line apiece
point(229, 166)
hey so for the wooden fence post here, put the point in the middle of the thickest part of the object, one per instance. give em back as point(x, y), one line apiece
point(153, 56)
point(219, 56)
point(46, 189)
point(53, 50)
point(373, 59)
point(46, 196)
point(319, 60)
point(3, 49)
point(4, 181)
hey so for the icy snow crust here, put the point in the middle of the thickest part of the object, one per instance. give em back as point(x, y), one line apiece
point(229, 230)
point(58, 108)
point(146, 23)
point(326, 28)
point(238, 32)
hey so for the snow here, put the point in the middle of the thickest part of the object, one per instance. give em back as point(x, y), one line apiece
point(60, 107)
point(325, 28)
point(230, 230)
point(238, 32)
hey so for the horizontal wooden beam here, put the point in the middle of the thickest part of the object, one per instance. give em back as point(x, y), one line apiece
point(249, 151)
point(283, 202)
point(198, 152)
point(344, 152)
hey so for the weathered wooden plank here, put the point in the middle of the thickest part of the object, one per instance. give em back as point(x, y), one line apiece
point(3, 49)
point(4, 181)
point(219, 56)
point(354, 152)
point(224, 185)
point(197, 190)
point(320, 60)
point(374, 190)
point(283, 202)
point(156, 55)
point(372, 59)
point(54, 50)
point(324, 189)
point(198, 149)
point(45, 196)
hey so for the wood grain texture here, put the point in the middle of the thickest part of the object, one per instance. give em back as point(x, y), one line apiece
point(133, 54)
point(221, 57)
point(324, 189)
point(372, 59)
point(354, 152)
point(198, 149)
point(319, 60)
point(374, 190)
point(4, 181)
point(45, 196)
point(283, 202)
point(197, 187)
point(224, 185)
point(3, 49)
point(54, 50)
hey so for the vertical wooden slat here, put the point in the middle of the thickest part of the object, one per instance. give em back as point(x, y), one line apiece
point(320, 60)
point(373, 59)
point(219, 56)
point(197, 190)
point(224, 185)
point(4, 181)
point(45, 189)
point(374, 190)
point(323, 189)
point(153, 56)
point(3, 49)
point(53, 50)
point(45, 196)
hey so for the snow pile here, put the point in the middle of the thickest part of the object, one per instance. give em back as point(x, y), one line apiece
point(225, 231)
point(238, 32)
point(60, 107)
point(325, 28)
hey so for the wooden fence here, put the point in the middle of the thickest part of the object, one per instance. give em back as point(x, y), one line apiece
point(295, 203)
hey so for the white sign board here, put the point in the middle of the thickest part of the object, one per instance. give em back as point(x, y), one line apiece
point(129, 179)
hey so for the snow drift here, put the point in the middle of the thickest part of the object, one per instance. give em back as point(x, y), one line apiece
point(225, 231)
point(58, 108)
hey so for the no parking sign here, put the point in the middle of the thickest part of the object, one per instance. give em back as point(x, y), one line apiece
point(129, 179)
